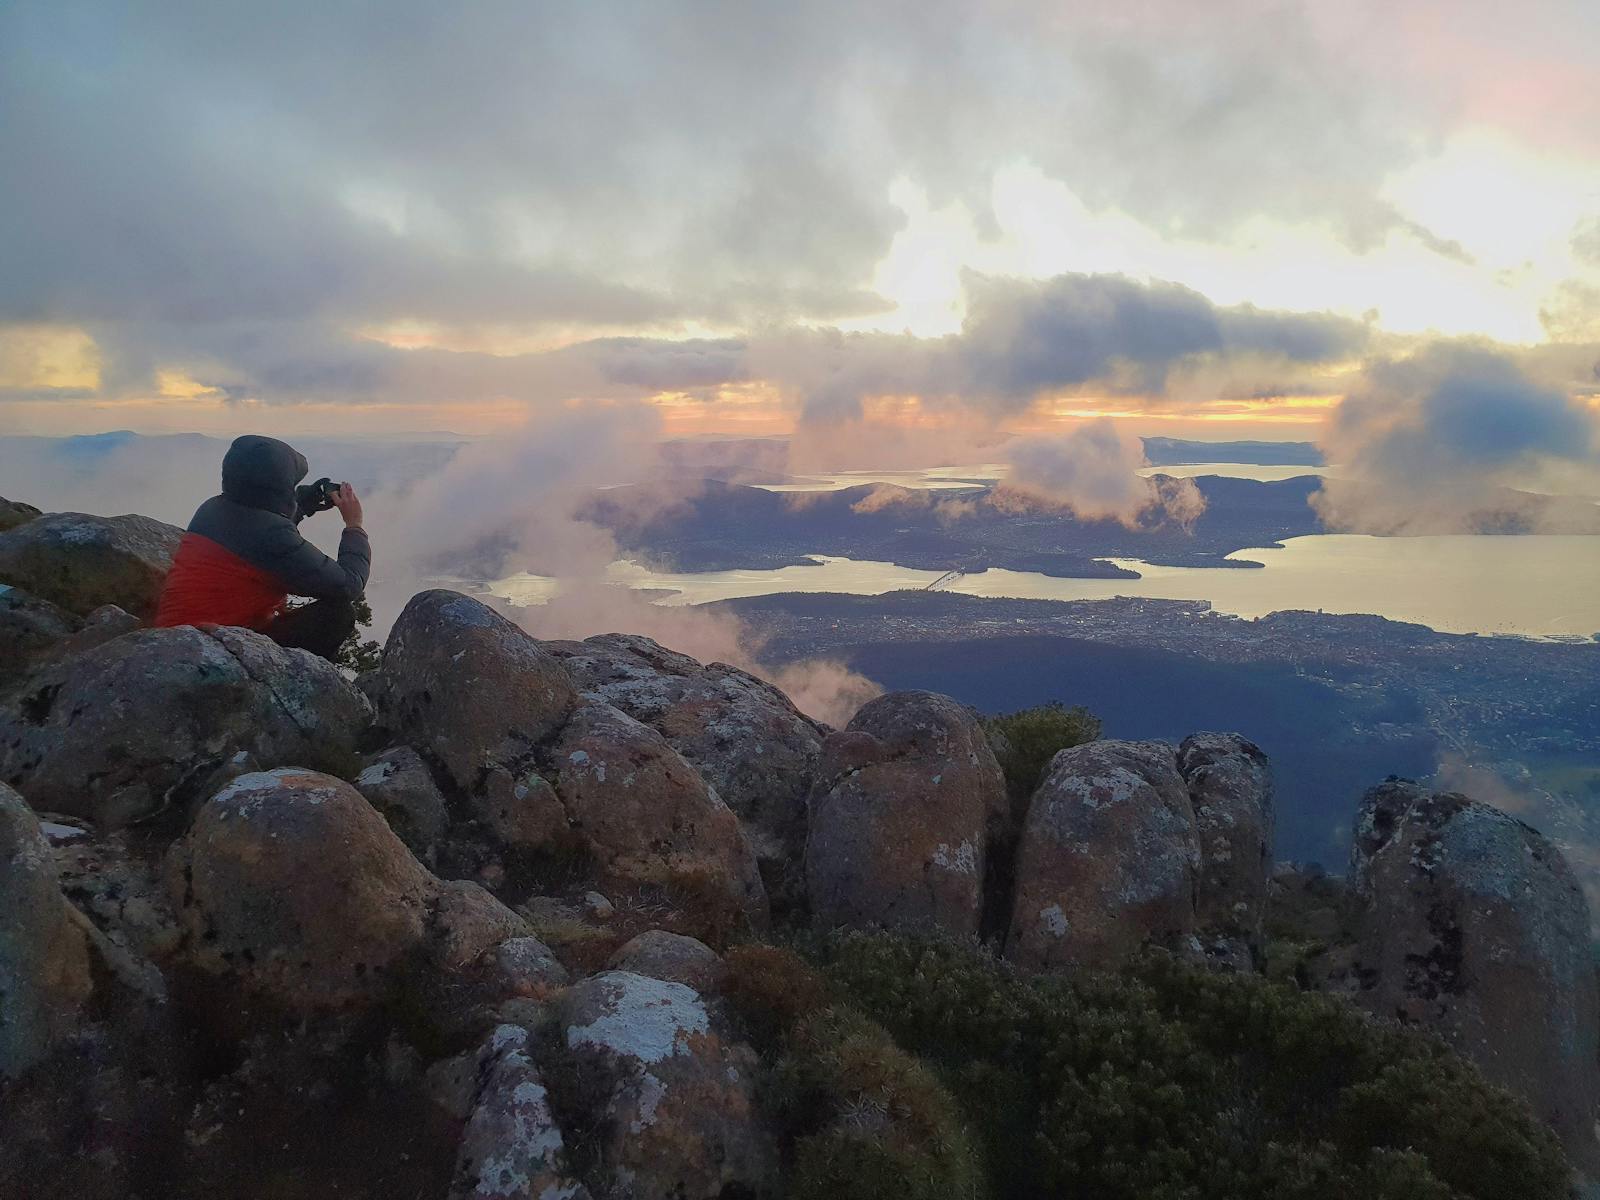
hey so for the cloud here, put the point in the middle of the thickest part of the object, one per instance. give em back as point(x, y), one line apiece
point(1430, 443)
point(191, 165)
point(1092, 472)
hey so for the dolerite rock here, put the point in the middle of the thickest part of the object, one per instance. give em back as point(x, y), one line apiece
point(14, 513)
point(29, 629)
point(658, 954)
point(291, 884)
point(81, 562)
point(741, 733)
point(677, 1108)
point(1108, 858)
point(399, 785)
point(102, 625)
point(905, 801)
point(1474, 927)
point(294, 884)
point(152, 717)
point(1230, 790)
point(512, 1148)
point(480, 697)
point(44, 954)
point(651, 822)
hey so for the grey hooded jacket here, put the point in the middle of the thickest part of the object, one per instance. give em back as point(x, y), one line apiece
point(257, 518)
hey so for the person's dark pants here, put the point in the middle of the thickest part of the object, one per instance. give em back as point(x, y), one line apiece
point(320, 627)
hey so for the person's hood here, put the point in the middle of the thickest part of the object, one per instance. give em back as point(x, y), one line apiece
point(261, 472)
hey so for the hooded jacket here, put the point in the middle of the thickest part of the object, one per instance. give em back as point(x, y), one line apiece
point(243, 555)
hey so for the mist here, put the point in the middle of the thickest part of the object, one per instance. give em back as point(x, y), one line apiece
point(1093, 473)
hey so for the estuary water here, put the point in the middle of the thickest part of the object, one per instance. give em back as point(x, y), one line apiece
point(1534, 586)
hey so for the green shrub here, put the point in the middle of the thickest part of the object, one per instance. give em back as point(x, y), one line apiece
point(1166, 1081)
point(1027, 740)
point(867, 1119)
point(356, 654)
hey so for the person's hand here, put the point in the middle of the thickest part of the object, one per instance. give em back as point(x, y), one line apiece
point(349, 506)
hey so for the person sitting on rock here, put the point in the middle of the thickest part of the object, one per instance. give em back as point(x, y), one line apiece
point(243, 555)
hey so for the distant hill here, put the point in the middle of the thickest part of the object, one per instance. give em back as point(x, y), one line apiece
point(1171, 452)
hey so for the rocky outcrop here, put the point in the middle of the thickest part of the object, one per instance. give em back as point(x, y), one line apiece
point(81, 562)
point(1473, 926)
point(44, 955)
point(399, 785)
point(672, 957)
point(904, 804)
point(29, 629)
point(678, 1115)
point(478, 696)
point(742, 734)
point(512, 1148)
point(650, 821)
point(150, 718)
point(1108, 858)
point(293, 885)
point(1230, 791)
point(15, 512)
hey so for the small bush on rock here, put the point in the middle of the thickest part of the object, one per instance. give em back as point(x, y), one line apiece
point(1026, 741)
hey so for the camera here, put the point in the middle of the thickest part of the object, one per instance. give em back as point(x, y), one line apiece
point(316, 497)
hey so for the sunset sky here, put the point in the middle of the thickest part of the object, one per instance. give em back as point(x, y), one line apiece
point(1204, 220)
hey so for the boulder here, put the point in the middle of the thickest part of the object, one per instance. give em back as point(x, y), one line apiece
point(44, 954)
point(512, 1148)
point(905, 802)
point(480, 697)
point(525, 966)
point(399, 785)
point(101, 626)
point(1108, 858)
point(651, 822)
point(292, 883)
point(1230, 790)
point(14, 513)
point(151, 718)
point(677, 1110)
point(30, 628)
point(742, 734)
point(1473, 926)
point(672, 957)
point(81, 561)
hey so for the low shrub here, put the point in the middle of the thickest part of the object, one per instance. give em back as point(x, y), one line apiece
point(1167, 1081)
point(1025, 741)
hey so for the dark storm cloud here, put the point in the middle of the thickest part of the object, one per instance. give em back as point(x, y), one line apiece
point(1425, 443)
point(1023, 338)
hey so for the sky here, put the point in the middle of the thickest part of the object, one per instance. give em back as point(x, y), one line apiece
point(1373, 223)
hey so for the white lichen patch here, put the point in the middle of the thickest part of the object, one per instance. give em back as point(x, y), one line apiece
point(963, 859)
point(1053, 921)
point(644, 1019)
point(375, 774)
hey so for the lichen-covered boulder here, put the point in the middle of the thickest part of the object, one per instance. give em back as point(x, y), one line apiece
point(651, 821)
point(30, 627)
point(742, 734)
point(16, 512)
point(658, 954)
point(512, 1148)
point(399, 785)
point(44, 955)
point(1473, 926)
point(292, 883)
point(1230, 789)
point(81, 561)
point(480, 697)
point(150, 718)
point(1108, 858)
point(678, 1110)
point(905, 802)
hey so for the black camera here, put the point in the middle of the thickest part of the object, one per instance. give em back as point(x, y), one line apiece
point(316, 497)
